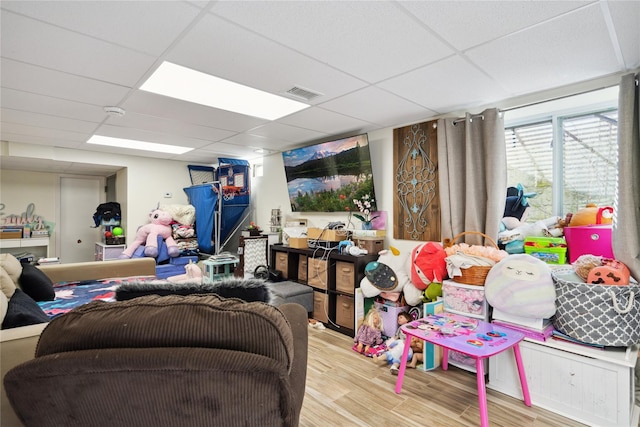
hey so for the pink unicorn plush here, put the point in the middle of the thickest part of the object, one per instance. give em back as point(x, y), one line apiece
point(147, 235)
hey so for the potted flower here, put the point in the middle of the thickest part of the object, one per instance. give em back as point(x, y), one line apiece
point(365, 205)
point(253, 229)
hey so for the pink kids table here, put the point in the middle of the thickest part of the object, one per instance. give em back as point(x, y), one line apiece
point(480, 340)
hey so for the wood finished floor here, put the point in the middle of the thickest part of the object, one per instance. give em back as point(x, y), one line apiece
point(347, 389)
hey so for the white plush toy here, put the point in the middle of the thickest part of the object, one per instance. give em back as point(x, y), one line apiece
point(378, 281)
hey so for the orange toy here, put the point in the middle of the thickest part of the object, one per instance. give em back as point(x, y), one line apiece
point(591, 215)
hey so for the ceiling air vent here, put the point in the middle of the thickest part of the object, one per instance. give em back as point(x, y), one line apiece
point(302, 93)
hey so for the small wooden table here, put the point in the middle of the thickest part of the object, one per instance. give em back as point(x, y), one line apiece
point(475, 338)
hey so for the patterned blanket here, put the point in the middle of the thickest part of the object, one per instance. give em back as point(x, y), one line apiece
point(74, 294)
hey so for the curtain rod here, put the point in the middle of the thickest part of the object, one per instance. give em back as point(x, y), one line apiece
point(481, 116)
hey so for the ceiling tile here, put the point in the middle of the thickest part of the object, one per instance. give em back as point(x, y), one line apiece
point(47, 121)
point(324, 121)
point(37, 43)
point(285, 132)
point(42, 81)
point(465, 86)
point(146, 26)
point(174, 109)
point(169, 127)
point(350, 36)
point(573, 48)
point(469, 23)
point(24, 101)
point(380, 107)
point(626, 18)
point(242, 56)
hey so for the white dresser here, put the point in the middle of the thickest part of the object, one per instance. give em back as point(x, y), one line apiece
point(589, 385)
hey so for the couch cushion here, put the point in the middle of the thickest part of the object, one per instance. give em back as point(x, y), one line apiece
point(22, 310)
point(246, 289)
point(10, 269)
point(36, 284)
point(207, 321)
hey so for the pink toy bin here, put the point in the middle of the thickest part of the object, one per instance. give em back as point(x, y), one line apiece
point(588, 239)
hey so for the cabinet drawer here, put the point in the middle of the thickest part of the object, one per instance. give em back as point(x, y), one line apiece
point(345, 311)
point(464, 299)
point(320, 308)
point(317, 273)
point(282, 263)
point(302, 268)
point(345, 277)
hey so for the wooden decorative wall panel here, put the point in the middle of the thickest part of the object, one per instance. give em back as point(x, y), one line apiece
point(416, 207)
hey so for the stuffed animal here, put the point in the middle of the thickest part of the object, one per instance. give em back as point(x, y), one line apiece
point(521, 285)
point(592, 214)
point(388, 278)
point(428, 264)
point(147, 235)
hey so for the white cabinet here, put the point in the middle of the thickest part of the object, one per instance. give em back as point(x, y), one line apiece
point(14, 246)
point(105, 252)
point(591, 386)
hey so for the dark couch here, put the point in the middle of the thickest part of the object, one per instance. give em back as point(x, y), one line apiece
point(197, 360)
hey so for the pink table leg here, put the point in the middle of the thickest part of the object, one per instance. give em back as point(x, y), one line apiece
point(523, 377)
point(445, 358)
point(482, 393)
point(403, 364)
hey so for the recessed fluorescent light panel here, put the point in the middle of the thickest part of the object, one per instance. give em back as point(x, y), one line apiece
point(190, 85)
point(137, 145)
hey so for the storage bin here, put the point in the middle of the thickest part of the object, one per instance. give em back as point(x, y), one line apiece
point(302, 269)
point(345, 311)
point(282, 263)
point(589, 239)
point(372, 245)
point(464, 299)
point(317, 273)
point(389, 316)
point(551, 250)
point(345, 277)
point(320, 308)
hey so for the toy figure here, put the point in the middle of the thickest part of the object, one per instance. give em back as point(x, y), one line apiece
point(395, 345)
point(147, 235)
point(403, 318)
point(417, 346)
point(369, 333)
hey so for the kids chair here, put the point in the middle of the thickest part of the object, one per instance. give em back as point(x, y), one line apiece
point(196, 360)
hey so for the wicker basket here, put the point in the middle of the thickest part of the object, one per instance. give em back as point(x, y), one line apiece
point(476, 274)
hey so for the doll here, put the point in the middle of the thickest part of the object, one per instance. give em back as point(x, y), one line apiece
point(395, 345)
point(369, 333)
point(417, 345)
point(403, 318)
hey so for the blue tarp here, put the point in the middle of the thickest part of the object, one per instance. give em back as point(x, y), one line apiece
point(205, 199)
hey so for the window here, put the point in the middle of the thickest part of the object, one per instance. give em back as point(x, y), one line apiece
point(581, 168)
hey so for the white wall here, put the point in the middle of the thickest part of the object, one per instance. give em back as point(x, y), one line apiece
point(141, 184)
point(270, 190)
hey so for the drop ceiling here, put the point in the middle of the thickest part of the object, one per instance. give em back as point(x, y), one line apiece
point(374, 65)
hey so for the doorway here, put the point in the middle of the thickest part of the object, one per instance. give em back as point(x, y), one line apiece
point(79, 197)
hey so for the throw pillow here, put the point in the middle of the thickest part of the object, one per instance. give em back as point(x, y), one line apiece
point(36, 284)
point(250, 290)
point(22, 310)
point(10, 269)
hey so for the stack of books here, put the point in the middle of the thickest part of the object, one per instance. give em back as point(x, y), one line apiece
point(11, 232)
point(536, 329)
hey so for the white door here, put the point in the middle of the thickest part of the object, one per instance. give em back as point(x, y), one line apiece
point(79, 198)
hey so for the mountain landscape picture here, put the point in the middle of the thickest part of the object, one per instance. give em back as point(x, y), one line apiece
point(327, 177)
